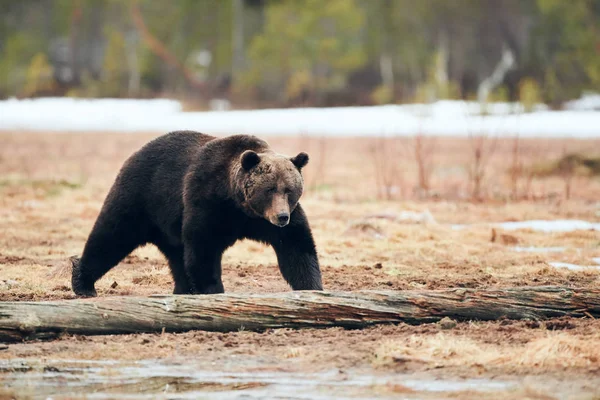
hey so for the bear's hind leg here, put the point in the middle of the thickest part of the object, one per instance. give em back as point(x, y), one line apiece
point(111, 240)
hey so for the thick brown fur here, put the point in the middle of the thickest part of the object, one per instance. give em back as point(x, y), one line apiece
point(193, 196)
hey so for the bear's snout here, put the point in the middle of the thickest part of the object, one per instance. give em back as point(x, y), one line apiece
point(279, 211)
point(280, 219)
point(283, 219)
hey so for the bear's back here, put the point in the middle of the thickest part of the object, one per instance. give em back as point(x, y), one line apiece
point(151, 180)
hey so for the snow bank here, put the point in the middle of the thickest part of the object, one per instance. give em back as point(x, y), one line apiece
point(68, 114)
point(444, 118)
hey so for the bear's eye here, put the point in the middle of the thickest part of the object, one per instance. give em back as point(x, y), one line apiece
point(272, 190)
point(288, 190)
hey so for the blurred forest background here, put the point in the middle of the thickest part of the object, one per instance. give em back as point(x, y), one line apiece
point(259, 53)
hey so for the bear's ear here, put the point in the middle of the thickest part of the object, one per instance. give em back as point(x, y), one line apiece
point(300, 160)
point(249, 159)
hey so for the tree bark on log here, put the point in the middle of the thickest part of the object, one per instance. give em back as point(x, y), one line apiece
point(310, 309)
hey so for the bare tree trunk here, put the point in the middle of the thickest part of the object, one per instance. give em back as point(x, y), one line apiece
point(74, 33)
point(238, 37)
point(386, 63)
point(387, 71)
point(441, 67)
point(506, 63)
point(133, 69)
point(308, 309)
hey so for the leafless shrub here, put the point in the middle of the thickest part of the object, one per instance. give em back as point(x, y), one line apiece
point(516, 170)
point(532, 154)
point(388, 177)
point(314, 177)
point(482, 148)
point(567, 167)
point(424, 149)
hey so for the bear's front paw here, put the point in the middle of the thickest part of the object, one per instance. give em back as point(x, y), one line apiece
point(85, 292)
point(182, 289)
point(211, 289)
point(82, 287)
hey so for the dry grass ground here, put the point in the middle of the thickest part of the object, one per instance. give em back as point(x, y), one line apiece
point(52, 187)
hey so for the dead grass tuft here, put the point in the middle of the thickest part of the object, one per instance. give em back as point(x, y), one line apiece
point(62, 271)
point(557, 350)
point(554, 351)
point(364, 229)
point(8, 394)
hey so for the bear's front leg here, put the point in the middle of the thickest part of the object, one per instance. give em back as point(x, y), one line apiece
point(202, 262)
point(297, 254)
point(203, 266)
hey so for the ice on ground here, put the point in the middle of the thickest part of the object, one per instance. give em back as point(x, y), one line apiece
point(532, 249)
point(559, 225)
point(443, 118)
point(150, 379)
point(574, 267)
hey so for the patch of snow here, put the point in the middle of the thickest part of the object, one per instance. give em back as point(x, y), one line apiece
point(219, 105)
point(458, 227)
point(532, 249)
point(560, 225)
point(443, 118)
point(589, 101)
point(424, 217)
point(596, 260)
point(32, 204)
point(548, 226)
point(8, 283)
point(454, 108)
point(573, 267)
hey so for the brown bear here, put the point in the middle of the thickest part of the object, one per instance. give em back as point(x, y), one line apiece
point(193, 196)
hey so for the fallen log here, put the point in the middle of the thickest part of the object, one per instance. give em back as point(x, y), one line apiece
point(231, 312)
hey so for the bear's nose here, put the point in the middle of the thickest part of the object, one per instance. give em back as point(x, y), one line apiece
point(283, 218)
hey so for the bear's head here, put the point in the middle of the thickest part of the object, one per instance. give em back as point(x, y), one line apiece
point(270, 185)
